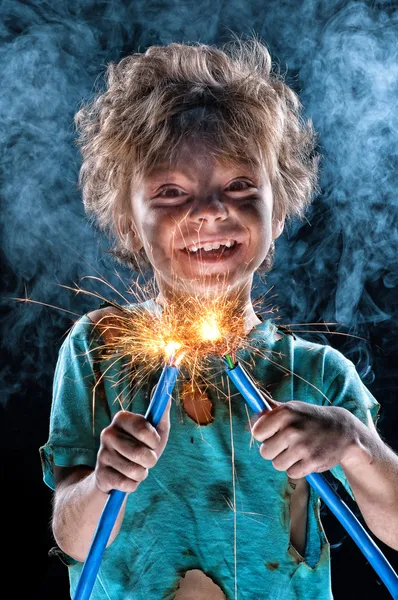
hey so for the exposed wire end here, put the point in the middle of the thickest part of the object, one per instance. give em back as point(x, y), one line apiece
point(229, 360)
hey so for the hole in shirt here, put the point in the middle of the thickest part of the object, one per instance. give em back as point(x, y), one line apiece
point(196, 403)
point(196, 585)
point(298, 492)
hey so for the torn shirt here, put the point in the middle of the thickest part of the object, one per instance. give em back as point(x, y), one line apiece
point(188, 514)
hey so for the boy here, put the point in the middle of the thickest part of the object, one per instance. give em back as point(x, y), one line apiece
point(192, 159)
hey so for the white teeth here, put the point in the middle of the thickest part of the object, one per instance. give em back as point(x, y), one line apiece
point(211, 246)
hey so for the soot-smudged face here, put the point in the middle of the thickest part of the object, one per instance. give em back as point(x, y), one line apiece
point(204, 228)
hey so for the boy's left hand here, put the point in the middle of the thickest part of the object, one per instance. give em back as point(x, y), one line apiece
point(302, 438)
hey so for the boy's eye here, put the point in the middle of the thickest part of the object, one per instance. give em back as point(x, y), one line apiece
point(234, 183)
point(170, 189)
point(249, 185)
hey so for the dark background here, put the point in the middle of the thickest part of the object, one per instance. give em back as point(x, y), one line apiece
point(339, 265)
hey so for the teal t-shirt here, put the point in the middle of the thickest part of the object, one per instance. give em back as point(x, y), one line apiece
point(181, 517)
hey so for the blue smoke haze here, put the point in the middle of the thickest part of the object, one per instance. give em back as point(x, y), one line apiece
point(338, 265)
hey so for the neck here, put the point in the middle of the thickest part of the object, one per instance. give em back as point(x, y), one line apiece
point(242, 300)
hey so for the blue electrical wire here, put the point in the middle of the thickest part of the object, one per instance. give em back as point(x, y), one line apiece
point(258, 403)
point(114, 503)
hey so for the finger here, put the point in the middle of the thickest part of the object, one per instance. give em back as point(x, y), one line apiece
point(254, 418)
point(110, 479)
point(271, 405)
point(126, 467)
point(269, 423)
point(299, 469)
point(138, 427)
point(287, 458)
point(280, 441)
point(273, 446)
point(132, 450)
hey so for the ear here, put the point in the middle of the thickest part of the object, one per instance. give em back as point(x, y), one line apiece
point(127, 233)
point(277, 226)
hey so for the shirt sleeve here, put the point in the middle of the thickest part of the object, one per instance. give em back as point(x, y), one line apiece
point(343, 387)
point(78, 412)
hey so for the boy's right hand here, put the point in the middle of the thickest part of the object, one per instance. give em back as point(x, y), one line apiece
point(130, 446)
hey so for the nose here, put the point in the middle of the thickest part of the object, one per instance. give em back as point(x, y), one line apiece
point(208, 209)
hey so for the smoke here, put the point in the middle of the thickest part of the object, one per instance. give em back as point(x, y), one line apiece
point(341, 58)
point(341, 266)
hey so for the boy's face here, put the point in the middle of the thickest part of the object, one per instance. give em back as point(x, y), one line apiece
point(180, 216)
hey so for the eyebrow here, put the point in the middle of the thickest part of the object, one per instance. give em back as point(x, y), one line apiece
point(161, 169)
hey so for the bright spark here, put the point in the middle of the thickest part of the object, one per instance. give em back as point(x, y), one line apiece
point(171, 349)
point(209, 329)
point(188, 332)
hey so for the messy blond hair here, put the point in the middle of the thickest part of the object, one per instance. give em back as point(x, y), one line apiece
point(228, 97)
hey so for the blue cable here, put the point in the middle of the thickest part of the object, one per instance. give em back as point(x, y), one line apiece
point(257, 402)
point(114, 503)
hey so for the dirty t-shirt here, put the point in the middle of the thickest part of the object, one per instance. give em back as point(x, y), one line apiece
point(182, 516)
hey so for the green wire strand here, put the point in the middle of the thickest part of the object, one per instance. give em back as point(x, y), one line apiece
point(229, 360)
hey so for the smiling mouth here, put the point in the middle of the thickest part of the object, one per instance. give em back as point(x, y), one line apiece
point(210, 253)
